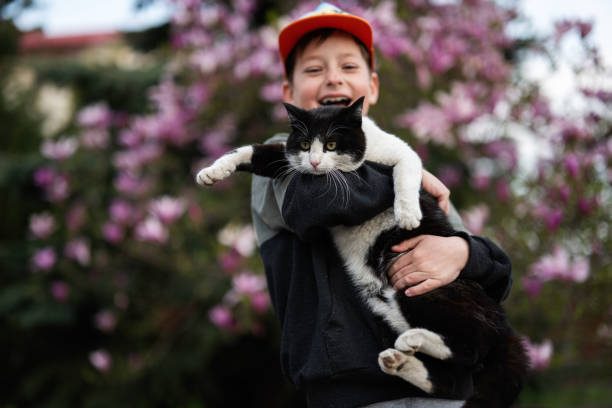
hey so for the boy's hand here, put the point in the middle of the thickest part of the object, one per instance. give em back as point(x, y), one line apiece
point(432, 262)
point(436, 188)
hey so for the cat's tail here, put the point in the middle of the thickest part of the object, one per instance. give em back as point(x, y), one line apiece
point(500, 381)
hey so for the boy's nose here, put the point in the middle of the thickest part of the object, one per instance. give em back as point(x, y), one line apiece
point(334, 77)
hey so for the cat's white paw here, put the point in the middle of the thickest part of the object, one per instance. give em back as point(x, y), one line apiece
point(408, 215)
point(217, 172)
point(409, 342)
point(405, 366)
point(424, 341)
point(391, 360)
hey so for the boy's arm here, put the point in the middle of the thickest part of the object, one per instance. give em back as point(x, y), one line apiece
point(486, 263)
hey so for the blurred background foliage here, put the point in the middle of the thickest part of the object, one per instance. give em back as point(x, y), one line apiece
point(123, 284)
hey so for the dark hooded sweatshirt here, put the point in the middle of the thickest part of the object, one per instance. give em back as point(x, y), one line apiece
point(330, 339)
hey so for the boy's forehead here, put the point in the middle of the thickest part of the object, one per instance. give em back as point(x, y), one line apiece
point(339, 44)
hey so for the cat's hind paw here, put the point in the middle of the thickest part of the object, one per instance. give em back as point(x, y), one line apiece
point(391, 361)
point(425, 341)
point(410, 368)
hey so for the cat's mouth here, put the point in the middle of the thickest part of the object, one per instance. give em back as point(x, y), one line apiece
point(335, 101)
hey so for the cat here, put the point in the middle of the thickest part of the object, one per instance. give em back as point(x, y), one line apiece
point(440, 334)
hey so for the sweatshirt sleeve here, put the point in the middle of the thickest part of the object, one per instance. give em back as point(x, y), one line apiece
point(314, 203)
point(488, 265)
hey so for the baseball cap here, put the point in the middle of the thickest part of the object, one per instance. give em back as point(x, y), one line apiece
point(325, 16)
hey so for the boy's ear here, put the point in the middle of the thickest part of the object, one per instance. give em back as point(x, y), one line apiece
point(287, 92)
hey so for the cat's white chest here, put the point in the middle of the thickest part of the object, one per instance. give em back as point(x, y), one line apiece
point(353, 244)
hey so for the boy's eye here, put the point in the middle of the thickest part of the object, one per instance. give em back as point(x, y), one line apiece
point(350, 67)
point(312, 70)
point(330, 146)
point(305, 145)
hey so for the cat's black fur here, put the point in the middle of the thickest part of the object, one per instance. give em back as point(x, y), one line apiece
point(473, 326)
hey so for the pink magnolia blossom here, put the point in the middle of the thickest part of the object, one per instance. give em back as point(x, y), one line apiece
point(195, 213)
point(59, 189)
point(539, 354)
point(241, 238)
point(168, 209)
point(44, 176)
point(504, 151)
point(248, 283)
point(130, 138)
point(136, 157)
point(459, 106)
point(502, 190)
point(230, 261)
point(564, 193)
point(78, 250)
point(271, 92)
point(197, 95)
point(428, 123)
point(450, 175)
point(222, 317)
point(475, 218)
point(105, 320)
point(151, 230)
point(113, 232)
point(558, 265)
point(131, 184)
point(572, 165)
point(122, 212)
point(532, 286)
point(580, 271)
point(98, 115)
point(481, 178)
point(59, 150)
point(101, 360)
point(260, 301)
point(586, 205)
point(551, 266)
point(42, 225)
point(44, 259)
point(60, 290)
point(95, 138)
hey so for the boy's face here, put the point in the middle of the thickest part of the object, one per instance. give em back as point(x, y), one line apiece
point(332, 71)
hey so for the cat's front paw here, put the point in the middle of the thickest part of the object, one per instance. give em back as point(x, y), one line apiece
point(407, 215)
point(217, 172)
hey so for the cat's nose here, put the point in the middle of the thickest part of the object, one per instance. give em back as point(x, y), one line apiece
point(314, 163)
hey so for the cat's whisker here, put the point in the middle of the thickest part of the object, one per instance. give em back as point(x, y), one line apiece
point(338, 185)
point(347, 189)
point(342, 184)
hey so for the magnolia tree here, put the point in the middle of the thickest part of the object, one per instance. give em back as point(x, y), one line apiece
point(125, 223)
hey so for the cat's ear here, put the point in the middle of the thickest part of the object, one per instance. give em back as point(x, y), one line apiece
point(295, 114)
point(355, 111)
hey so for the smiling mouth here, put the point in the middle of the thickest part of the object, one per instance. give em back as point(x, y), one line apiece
point(339, 101)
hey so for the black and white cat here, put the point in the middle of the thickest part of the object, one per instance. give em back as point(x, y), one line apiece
point(441, 334)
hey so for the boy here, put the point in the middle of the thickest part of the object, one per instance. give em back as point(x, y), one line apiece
point(330, 340)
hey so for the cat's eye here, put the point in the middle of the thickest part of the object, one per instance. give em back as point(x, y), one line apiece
point(330, 145)
point(305, 145)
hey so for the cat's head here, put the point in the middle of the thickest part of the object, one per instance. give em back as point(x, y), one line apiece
point(325, 139)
